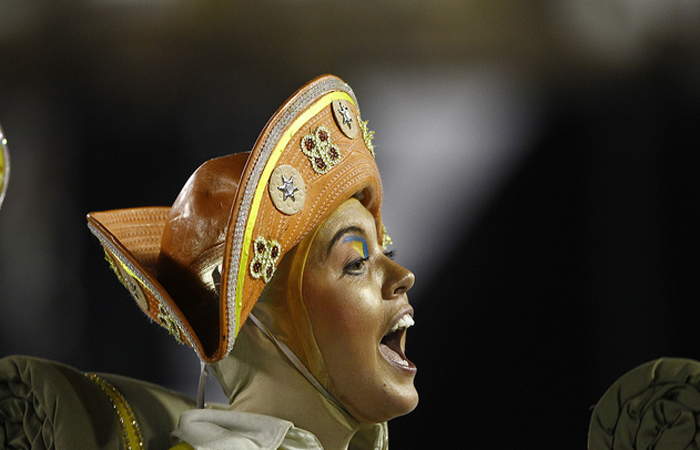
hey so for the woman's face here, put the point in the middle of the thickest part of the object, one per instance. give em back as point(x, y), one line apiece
point(355, 295)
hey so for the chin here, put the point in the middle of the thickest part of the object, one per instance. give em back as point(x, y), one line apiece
point(396, 404)
point(409, 403)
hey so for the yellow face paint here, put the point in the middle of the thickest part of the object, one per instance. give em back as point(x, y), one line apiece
point(358, 243)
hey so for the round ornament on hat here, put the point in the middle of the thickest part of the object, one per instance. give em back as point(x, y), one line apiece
point(287, 189)
point(345, 117)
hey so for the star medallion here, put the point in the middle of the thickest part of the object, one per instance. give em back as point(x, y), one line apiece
point(288, 188)
point(345, 111)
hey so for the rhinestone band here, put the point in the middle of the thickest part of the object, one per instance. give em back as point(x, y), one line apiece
point(131, 435)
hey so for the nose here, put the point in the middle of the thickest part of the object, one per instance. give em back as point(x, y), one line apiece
point(398, 280)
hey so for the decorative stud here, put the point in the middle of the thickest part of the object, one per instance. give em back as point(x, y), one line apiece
point(321, 150)
point(386, 239)
point(344, 118)
point(367, 136)
point(287, 189)
point(266, 253)
point(167, 322)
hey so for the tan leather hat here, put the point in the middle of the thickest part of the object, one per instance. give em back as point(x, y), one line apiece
point(4, 166)
point(198, 267)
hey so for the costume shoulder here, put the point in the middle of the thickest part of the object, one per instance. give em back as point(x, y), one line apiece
point(655, 405)
point(43, 401)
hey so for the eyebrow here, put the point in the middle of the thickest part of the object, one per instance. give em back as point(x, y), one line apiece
point(341, 233)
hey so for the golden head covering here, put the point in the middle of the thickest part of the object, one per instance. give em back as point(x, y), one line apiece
point(197, 268)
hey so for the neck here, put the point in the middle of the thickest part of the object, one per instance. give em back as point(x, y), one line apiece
point(258, 378)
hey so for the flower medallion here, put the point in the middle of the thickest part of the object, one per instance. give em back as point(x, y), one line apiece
point(266, 253)
point(321, 150)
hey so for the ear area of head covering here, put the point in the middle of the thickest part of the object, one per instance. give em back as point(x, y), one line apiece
point(191, 253)
point(131, 242)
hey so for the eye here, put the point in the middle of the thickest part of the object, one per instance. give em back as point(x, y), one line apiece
point(391, 254)
point(356, 267)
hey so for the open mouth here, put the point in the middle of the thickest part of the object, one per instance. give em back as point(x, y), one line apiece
point(391, 344)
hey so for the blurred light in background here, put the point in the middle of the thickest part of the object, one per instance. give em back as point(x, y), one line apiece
point(624, 32)
point(448, 139)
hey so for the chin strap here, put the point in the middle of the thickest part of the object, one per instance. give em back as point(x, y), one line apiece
point(202, 387)
point(297, 363)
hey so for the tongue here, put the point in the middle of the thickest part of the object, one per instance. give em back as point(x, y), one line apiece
point(392, 355)
point(391, 348)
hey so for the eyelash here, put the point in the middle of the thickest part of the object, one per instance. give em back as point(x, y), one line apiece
point(357, 265)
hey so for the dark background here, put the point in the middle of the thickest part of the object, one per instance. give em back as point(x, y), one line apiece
point(578, 263)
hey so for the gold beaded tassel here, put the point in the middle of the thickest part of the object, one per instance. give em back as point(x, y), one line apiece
point(130, 429)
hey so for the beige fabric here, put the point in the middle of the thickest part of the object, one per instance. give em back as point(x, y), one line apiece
point(222, 430)
point(206, 429)
point(48, 405)
point(653, 407)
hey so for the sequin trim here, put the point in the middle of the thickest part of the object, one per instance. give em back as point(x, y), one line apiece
point(130, 433)
point(266, 254)
point(321, 150)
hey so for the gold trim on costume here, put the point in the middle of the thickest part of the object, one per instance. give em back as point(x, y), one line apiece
point(130, 429)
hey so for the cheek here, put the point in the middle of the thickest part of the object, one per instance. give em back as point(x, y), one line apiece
point(340, 312)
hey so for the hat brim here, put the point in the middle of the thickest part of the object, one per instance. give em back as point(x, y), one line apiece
point(131, 240)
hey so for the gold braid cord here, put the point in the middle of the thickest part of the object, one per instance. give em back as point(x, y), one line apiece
point(130, 429)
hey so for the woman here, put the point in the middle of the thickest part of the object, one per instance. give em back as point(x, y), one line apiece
point(273, 267)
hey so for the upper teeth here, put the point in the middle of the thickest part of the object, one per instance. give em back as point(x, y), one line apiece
point(404, 322)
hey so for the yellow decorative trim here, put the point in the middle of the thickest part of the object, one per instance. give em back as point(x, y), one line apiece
point(128, 280)
point(386, 239)
point(367, 135)
point(113, 265)
point(260, 189)
point(131, 435)
point(110, 257)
